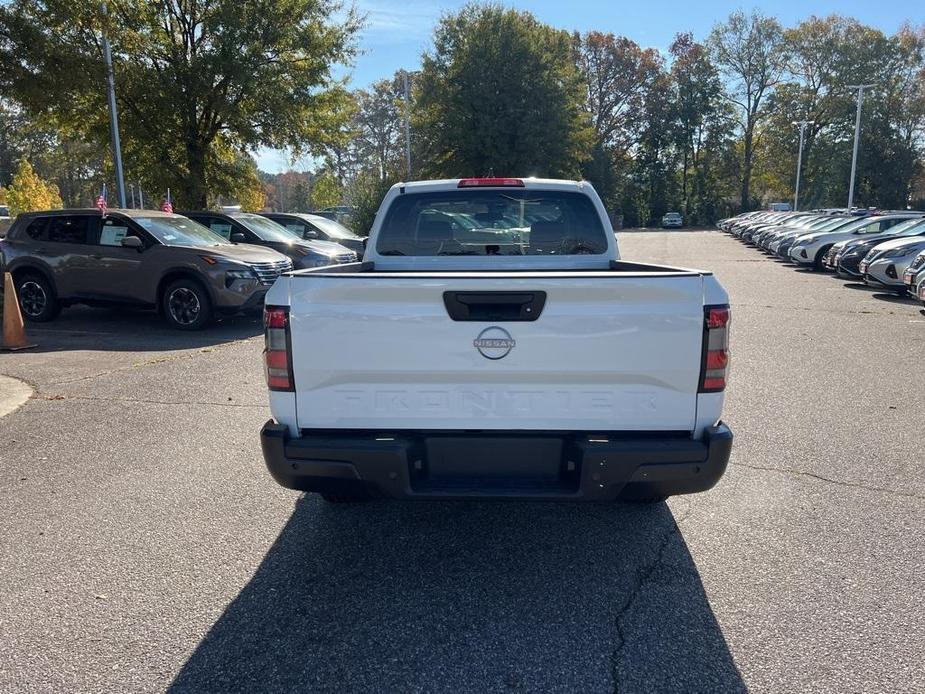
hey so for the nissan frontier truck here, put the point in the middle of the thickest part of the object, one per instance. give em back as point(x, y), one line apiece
point(492, 344)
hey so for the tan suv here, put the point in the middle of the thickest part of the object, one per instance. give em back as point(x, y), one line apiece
point(134, 257)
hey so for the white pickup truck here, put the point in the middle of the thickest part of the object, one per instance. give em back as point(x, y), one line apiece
point(492, 344)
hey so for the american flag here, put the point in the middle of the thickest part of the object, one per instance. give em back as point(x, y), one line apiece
point(101, 203)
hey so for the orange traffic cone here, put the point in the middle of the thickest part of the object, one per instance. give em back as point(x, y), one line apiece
point(14, 333)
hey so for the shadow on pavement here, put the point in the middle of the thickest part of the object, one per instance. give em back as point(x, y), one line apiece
point(463, 597)
point(892, 298)
point(133, 330)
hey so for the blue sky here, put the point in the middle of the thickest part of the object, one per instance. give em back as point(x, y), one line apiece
point(396, 33)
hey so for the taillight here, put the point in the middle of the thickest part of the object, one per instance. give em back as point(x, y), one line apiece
point(716, 349)
point(490, 182)
point(277, 352)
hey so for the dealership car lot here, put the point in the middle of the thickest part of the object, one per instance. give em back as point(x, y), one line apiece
point(146, 547)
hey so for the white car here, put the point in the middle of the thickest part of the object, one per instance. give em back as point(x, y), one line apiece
point(914, 273)
point(919, 290)
point(672, 220)
point(494, 372)
point(810, 249)
point(884, 265)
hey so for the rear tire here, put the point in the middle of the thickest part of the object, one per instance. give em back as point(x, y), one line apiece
point(37, 299)
point(186, 305)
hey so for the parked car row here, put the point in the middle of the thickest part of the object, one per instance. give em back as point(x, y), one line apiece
point(883, 248)
point(190, 267)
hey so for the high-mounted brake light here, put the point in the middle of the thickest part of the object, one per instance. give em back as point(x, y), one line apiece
point(715, 349)
point(491, 182)
point(277, 352)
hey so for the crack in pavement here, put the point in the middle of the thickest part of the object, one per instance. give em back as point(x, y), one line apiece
point(840, 483)
point(642, 578)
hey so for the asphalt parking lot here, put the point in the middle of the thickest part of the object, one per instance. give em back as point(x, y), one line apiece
point(145, 548)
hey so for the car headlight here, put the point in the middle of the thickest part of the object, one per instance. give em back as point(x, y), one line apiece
point(240, 274)
point(894, 253)
point(232, 276)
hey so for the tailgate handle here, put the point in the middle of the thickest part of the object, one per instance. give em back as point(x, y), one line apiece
point(494, 306)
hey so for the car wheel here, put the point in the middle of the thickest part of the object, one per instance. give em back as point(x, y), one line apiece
point(817, 261)
point(37, 299)
point(186, 305)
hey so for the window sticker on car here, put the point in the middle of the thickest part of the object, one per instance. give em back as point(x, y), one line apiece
point(222, 229)
point(112, 236)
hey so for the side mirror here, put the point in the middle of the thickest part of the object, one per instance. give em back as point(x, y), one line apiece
point(365, 242)
point(132, 242)
point(311, 234)
point(238, 237)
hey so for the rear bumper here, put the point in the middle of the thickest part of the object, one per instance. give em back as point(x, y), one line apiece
point(445, 465)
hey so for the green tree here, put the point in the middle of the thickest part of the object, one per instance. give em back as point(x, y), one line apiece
point(326, 191)
point(825, 56)
point(616, 75)
point(378, 123)
point(700, 125)
point(27, 192)
point(500, 94)
point(749, 51)
point(198, 82)
point(364, 193)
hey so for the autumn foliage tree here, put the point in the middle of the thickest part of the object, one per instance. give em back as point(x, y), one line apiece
point(27, 192)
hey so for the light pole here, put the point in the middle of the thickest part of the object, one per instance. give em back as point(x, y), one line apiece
point(857, 134)
point(796, 193)
point(113, 116)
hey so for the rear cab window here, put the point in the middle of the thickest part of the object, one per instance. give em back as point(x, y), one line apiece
point(492, 222)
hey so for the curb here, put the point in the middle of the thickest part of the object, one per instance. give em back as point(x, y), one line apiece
point(13, 394)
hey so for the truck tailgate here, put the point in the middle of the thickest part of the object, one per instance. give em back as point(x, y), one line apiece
point(608, 352)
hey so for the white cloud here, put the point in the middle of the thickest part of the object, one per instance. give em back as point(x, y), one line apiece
point(393, 22)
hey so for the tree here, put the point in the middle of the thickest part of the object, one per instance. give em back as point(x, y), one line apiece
point(500, 94)
point(197, 82)
point(364, 193)
point(616, 75)
point(380, 136)
point(699, 122)
point(27, 192)
point(749, 51)
point(824, 57)
point(326, 191)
